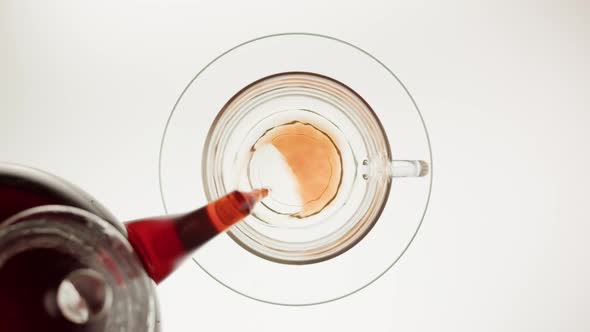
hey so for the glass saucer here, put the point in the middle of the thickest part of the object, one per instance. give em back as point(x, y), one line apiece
point(276, 255)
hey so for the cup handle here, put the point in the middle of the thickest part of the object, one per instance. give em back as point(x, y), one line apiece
point(409, 168)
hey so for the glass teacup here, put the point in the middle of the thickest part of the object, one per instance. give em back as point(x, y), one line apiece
point(360, 216)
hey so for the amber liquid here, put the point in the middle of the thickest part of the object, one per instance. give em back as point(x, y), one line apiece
point(313, 159)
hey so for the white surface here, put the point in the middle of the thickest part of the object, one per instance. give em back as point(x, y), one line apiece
point(85, 90)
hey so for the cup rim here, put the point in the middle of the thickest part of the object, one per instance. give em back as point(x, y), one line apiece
point(361, 227)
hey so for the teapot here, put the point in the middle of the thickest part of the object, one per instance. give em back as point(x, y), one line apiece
point(67, 264)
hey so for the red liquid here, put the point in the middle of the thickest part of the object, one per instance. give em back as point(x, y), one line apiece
point(22, 188)
point(28, 282)
point(18, 194)
point(162, 243)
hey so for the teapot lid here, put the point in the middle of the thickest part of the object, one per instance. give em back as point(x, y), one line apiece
point(63, 268)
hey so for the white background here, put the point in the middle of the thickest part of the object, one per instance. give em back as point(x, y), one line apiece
point(85, 90)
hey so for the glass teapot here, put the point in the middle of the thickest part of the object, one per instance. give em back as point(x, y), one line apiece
point(66, 233)
point(67, 264)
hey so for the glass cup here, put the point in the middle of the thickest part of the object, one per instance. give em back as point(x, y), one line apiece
point(278, 232)
point(280, 254)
